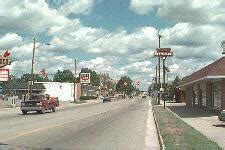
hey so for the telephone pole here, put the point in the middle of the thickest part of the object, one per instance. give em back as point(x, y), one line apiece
point(32, 68)
point(159, 36)
point(75, 78)
point(156, 82)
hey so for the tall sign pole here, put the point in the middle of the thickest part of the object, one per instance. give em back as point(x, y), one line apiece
point(164, 84)
point(163, 52)
point(159, 84)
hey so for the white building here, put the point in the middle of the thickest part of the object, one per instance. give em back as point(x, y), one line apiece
point(64, 91)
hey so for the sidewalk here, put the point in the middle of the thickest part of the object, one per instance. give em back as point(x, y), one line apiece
point(205, 122)
point(151, 137)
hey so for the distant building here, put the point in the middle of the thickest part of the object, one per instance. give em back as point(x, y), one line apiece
point(21, 89)
point(205, 88)
point(64, 91)
point(89, 90)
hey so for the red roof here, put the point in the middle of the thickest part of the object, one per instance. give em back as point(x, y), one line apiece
point(215, 69)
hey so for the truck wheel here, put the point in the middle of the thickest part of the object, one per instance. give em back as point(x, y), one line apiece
point(54, 109)
point(24, 112)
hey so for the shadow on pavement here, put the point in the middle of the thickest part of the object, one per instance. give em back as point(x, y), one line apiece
point(186, 112)
point(219, 125)
point(13, 147)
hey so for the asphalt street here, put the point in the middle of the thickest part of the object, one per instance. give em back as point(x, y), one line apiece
point(114, 125)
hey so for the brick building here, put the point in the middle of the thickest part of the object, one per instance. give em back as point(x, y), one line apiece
point(205, 88)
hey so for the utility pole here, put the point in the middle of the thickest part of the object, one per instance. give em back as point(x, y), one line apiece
point(159, 36)
point(32, 68)
point(75, 78)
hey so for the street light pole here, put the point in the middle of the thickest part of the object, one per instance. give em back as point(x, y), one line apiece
point(32, 67)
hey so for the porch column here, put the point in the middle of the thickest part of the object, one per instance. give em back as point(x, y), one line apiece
point(208, 94)
point(189, 97)
point(223, 93)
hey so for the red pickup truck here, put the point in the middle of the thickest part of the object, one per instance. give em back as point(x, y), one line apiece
point(39, 103)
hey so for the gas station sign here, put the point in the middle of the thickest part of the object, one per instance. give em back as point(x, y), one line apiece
point(85, 78)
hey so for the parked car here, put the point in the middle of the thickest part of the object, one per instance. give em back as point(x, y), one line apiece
point(221, 116)
point(39, 103)
point(106, 99)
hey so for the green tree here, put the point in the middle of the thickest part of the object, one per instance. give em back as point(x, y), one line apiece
point(171, 88)
point(28, 77)
point(125, 85)
point(13, 79)
point(63, 76)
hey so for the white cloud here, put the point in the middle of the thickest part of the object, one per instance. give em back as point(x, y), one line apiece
point(99, 64)
point(10, 40)
point(193, 41)
point(142, 7)
point(192, 11)
point(76, 36)
point(28, 16)
point(77, 7)
point(135, 68)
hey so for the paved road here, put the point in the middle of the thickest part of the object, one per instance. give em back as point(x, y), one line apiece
point(115, 125)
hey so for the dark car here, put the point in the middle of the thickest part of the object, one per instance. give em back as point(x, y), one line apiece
point(39, 103)
point(106, 99)
point(221, 116)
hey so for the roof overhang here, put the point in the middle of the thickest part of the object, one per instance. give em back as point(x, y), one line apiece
point(201, 79)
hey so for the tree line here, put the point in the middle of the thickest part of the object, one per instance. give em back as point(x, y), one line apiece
point(124, 85)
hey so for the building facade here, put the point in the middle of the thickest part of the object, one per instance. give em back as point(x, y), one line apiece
point(205, 88)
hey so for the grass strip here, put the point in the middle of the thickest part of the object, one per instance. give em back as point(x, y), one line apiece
point(177, 135)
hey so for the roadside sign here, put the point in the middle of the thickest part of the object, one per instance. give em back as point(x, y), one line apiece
point(4, 60)
point(163, 52)
point(4, 75)
point(85, 78)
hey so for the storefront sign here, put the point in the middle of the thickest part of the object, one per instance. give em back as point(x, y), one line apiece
point(85, 78)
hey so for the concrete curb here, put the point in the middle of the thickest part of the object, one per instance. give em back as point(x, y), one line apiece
point(162, 146)
point(151, 135)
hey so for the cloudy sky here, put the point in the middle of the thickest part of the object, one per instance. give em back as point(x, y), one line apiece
point(118, 37)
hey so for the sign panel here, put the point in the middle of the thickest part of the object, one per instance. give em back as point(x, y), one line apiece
point(4, 75)
point(163, 53)
point(4, 62)
point(85, 78)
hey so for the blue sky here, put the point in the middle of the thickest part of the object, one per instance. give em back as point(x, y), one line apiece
point(118, 37)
